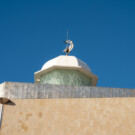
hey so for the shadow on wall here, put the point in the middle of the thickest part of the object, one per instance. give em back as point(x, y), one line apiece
point(6, 101)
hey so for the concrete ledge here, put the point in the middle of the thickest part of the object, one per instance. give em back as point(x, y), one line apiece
point(13, 90)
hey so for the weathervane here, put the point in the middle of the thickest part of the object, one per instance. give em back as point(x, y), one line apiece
point(69, 45)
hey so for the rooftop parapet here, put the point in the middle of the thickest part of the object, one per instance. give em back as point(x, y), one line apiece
point(13, 90)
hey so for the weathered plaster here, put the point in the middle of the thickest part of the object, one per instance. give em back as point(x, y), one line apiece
point(12, 90)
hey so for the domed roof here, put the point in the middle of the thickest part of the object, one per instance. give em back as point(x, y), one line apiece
point(66, 61)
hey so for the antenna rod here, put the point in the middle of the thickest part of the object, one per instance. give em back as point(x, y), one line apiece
point(67, 38)
point(67, 35)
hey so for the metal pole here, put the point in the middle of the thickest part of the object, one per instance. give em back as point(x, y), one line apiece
point(1, 110)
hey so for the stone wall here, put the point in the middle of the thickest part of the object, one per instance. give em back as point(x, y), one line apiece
point(40, 109)
point(75, 116)
point(13, 90)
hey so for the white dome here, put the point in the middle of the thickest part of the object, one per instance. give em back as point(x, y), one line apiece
point(66, 61)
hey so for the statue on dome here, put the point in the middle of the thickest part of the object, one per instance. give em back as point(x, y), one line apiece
point(69, 46)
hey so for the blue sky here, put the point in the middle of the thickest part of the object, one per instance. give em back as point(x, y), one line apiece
point(32, 32)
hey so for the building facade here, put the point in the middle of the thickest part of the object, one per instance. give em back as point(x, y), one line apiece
point(64, 100)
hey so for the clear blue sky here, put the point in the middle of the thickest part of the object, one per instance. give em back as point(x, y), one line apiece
point(103, 31)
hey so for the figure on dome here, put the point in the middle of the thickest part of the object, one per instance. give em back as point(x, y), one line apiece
point(69, 45)
point(68, 48)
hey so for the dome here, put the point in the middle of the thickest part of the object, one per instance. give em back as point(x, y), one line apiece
point(66, 61)
point(66, 70)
